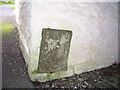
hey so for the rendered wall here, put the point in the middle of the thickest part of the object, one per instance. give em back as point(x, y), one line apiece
point(24, 25)
point(94, 42)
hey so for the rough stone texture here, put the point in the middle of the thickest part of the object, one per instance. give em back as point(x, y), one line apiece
point(54, 50)
point(94, 43)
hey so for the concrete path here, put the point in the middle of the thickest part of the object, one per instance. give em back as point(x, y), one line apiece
point(7, 13)
point(14, 73)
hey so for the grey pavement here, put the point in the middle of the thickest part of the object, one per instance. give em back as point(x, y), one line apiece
point(7, 14)
point(14, 71)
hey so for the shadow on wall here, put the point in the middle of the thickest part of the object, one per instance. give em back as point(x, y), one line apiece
point(118, 31)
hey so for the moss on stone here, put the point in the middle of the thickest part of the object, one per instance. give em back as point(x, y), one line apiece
point(35, 72)
point(48, 77)
point(56, 75)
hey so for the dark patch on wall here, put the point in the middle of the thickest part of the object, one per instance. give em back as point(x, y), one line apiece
point(54, 50)
point(118, 31)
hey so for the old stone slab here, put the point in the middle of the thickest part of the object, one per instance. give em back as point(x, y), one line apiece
point(54, 50)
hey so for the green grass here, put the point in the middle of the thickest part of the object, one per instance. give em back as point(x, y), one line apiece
point(13, 7)
point(6, 3)
point(7, 28)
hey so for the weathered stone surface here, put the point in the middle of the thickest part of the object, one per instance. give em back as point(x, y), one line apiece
point(54, 50)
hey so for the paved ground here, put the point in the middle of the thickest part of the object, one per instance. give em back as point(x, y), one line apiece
point(7, 14)
point(15, 74)
point(13, 66)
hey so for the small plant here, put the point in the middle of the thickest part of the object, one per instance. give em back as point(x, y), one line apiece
point(35, 72)
point(7, 28)
point(13, 7)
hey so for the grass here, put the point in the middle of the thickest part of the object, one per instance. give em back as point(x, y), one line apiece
point(13, 7)
point(6, 3)
point(7, 28)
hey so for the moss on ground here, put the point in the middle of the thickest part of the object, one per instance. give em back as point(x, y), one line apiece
point(7, 28)
point(13, 7)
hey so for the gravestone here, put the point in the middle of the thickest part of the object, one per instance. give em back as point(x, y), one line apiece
point(54, 50)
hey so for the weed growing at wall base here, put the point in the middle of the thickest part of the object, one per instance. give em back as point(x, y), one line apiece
point(7, 28)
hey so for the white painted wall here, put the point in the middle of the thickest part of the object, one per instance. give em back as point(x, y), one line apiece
point(94, 42)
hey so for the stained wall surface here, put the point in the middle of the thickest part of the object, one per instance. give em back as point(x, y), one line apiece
point(94, 26)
